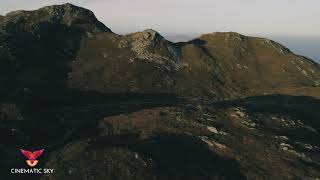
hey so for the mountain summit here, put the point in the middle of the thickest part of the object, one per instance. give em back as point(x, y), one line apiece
point(137, 106)
point(66, 14)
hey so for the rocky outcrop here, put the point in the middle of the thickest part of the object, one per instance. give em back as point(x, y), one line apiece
point(66, 14)
point(150, 45)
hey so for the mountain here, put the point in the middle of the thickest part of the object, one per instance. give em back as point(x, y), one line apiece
point(306, 46)
point(137, 106)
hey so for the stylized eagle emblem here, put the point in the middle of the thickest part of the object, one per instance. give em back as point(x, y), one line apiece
point(32, 156)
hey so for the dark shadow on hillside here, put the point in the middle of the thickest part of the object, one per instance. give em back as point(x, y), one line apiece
point(303, 108)
point(52, 123)
point(74, 115)
point(174, 157)
point(39, 58)
point(178, 156)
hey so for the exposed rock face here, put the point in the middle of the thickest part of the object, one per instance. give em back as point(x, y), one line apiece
point(151, 45)
point(137, 106)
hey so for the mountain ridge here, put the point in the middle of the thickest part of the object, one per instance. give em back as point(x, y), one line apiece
point(228, 57)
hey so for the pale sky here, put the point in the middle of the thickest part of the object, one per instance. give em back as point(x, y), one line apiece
point(262, 17)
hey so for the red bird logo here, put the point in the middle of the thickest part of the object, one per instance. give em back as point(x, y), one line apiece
point(32, 156)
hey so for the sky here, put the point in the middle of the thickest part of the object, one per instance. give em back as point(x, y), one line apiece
point(284, 20)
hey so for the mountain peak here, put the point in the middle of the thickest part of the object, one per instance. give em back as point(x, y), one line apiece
point(68, 5)
point(224, 35)
point(230, 33)
point(148, 35)
point(68, 9)
point(66, 14)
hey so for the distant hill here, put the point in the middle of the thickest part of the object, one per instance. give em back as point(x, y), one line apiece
point(306, 46)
